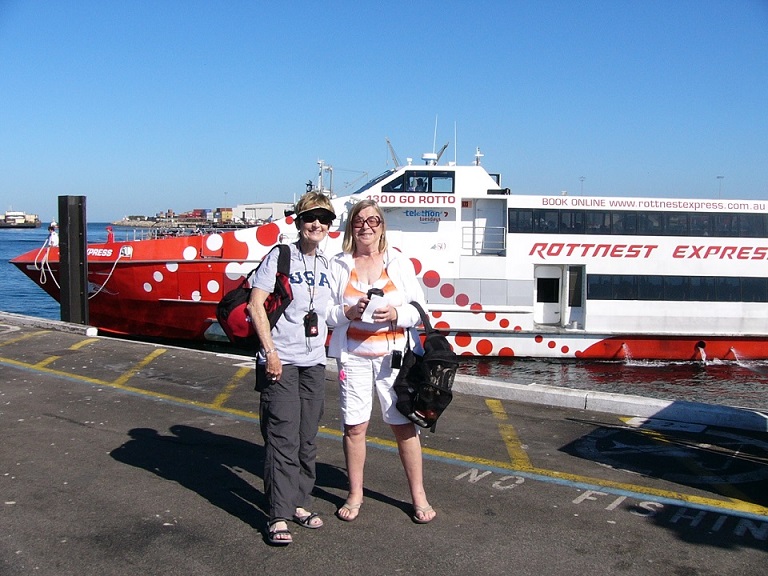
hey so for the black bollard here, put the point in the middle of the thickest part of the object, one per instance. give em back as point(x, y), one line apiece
point(73, 260)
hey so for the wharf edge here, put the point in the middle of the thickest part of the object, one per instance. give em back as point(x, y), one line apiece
point(624, 404)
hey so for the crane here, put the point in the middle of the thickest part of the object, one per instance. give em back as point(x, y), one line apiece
point(395, 159)
point(441, 152)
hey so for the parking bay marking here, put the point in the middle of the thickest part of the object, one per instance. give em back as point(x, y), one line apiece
point(519, 462)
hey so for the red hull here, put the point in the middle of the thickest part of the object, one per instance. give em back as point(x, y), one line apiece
point(169, 288)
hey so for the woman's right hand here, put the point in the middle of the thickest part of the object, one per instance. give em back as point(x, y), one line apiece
point(356, 312)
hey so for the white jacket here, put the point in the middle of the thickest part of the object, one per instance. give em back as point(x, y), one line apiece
point(403, 276)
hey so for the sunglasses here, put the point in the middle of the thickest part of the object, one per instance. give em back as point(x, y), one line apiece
point(372, 221)
point(309, 217)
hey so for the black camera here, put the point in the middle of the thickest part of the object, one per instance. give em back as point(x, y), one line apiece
point(310, 324)
point(375, 292)
point(397, 359)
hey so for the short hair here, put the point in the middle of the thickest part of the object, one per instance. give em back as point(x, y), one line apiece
point(348, 244)
point(313, 199)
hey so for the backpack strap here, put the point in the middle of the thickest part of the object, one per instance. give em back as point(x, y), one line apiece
point(424, 318)
point(284, 259)
point(283, 262)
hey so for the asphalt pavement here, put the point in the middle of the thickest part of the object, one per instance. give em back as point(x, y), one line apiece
point(121, 457)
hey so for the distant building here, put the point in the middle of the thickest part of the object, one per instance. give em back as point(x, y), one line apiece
point(260, 213)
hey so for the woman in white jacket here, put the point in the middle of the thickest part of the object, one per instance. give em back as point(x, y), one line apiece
point(364, 346)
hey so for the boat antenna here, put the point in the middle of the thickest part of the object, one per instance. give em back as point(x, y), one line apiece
point(434, 138)
point(478, 155)
point(455, 143)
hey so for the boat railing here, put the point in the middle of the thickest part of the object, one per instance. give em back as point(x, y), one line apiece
point(155, 232)
point(490, 240)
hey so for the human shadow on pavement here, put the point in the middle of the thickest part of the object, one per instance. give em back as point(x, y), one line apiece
point(204, 462)
point(217, 467)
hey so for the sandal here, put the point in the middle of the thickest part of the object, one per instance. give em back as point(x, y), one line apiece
point(312, 520)
point(278, 537)
point(352, 510)
point(420, 513)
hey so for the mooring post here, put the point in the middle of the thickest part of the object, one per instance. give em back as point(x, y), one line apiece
point(73, 260)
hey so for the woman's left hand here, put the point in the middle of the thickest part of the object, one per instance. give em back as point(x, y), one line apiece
point(386, 313)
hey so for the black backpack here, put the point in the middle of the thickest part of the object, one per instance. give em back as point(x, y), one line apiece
point(232, 314)
point(423, 385)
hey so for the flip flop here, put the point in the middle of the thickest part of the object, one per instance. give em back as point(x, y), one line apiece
point(422, 510)
point(277, 537)
point(307, 521)
point(350, 508)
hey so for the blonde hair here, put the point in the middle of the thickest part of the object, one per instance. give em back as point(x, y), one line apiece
point(348, 244)
point(312, 200)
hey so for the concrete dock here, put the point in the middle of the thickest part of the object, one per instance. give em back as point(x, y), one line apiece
point(120, 457)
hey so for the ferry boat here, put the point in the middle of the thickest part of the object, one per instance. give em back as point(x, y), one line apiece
point(559, 277)
point(15, 219)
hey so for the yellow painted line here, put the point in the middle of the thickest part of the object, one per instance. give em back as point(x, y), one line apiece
point(219, 401)
point(130, 373)
point(521, 462)
point(735, 505)
point(47, 361)
point(45, 370)
point(75, 346)
point(24, 337)
point(82, 343)
point(117, 384)
point(515, 449)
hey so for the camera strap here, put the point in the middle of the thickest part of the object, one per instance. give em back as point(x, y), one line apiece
point(308, 319)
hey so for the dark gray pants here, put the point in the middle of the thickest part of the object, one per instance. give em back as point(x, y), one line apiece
point(290, 412)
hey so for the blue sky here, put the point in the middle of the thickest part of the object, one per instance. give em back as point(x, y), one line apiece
point(147, 105)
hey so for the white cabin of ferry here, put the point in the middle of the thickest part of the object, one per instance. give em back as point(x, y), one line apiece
point(577, 276)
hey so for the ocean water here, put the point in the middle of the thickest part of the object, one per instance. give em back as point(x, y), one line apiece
point(742, 384)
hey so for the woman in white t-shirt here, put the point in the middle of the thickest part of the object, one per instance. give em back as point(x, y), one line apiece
point(363, 348)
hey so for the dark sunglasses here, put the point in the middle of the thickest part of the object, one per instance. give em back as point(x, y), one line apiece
point(309, 217)
point(372, 221)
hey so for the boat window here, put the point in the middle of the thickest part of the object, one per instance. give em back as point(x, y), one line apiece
point(442, 182)
point(650, 223)
point(728, 289)
point(727, 225)
point(575, 286)
point(545, 221)
point(701, 224)
point(598, 222)
point(752, 225)
point(624, 222)
point(754, 289)
point(701, 289)
point(675, 288)
point(396, 185)
point(417, 181)
point(520, 220)
point(676, 223)
point(375, 181)
point(548, 290)
point(624, 287)
point(572, 222)
point(599, 287)
point(650, 288)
